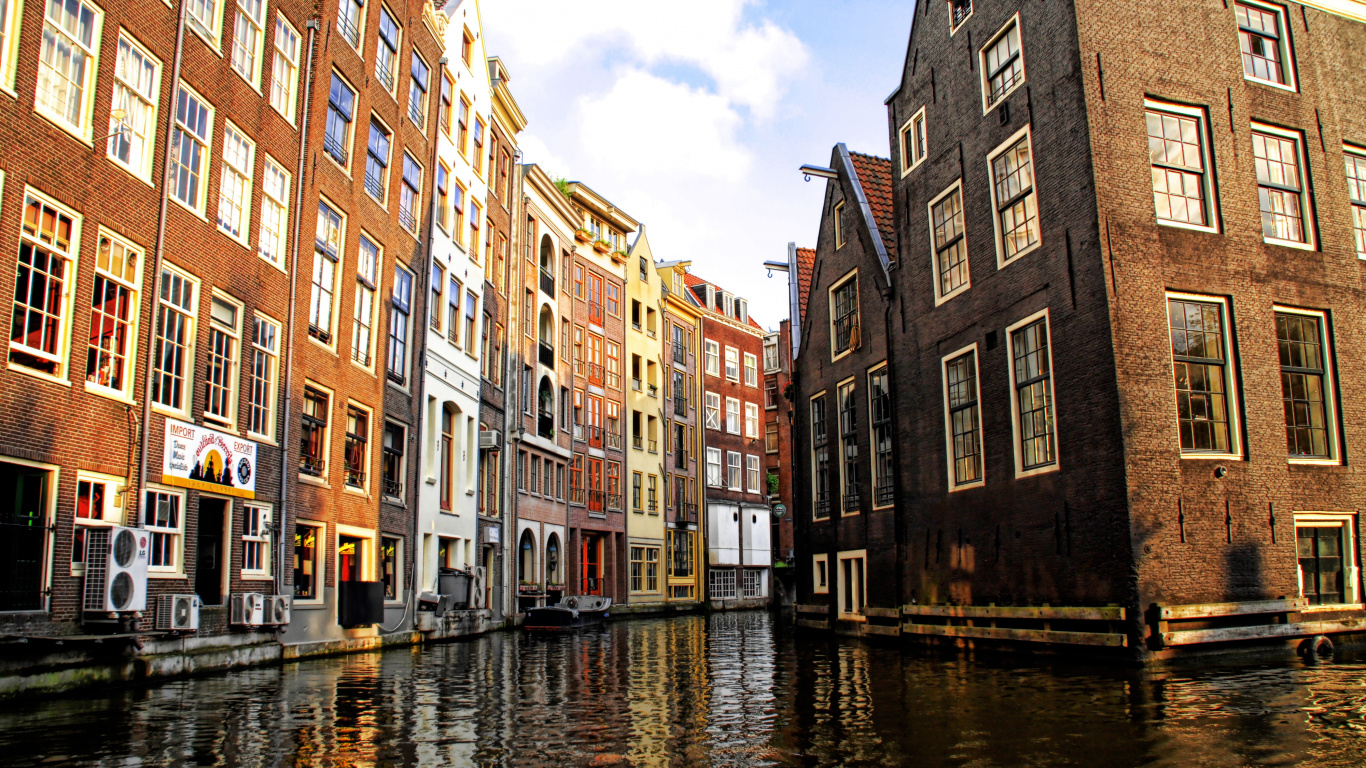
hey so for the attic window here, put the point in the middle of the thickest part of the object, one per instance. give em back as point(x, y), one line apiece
point(959, 11)
point(839, 224)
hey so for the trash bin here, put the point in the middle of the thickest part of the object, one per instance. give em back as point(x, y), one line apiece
point(455, 585)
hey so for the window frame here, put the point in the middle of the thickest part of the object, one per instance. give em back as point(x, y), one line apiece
point(715, 459)
point(346, 143)
point(192, 320)
point(956, 188)
point(1231, 379)
point(330, 342)
point(1332, 409)
point(944, 361)
point(261, 538)
point(319, 562)
point(912, 132)
point(752, 472)
point(953, 28)
point(288, 95)
point(245, 172)
point(178, 127)
point(396, 347)
point(820, 574)
point(734, 471)
point(1210, 190)
point(344, 22)
point(732, 413)
point(752, 419)
point(712, 357)
point(1285, 46)
point(252, 78)
point(1308, 223)
point(857, 314)
point(988, 104)
point(60, 357)
point(366, 439)
point(232, 378)
point(389, 85)
point(1356, 202)
point(837, 226)
point(143, 169)
point(883, 369)
point(84, 131)
point(1351, 572)
point(176, 571)
point(858, 591)
point(1015, 416)
point(113, 514)
point(132, 323)
point(326, 424)
point(272, 384)
point(751, 368)
point(1024, 134)
point(281, 232)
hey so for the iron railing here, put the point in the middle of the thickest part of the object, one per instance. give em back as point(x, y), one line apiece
point(546, 354)
point(680, 353)
point(595, 312)
point(547, 283)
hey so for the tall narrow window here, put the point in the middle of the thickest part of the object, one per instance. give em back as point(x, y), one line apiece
point(453, 294)
point(471, 313)
point(912, 142)
point(752, 420)
point(350, 17)
point(1177, 152)
point(174, 352)
point(163, 523)
point(367, 267)
point(733, 415)
point(255, 541)
point(752, 480)
point(326, 254)
point(959, 11)
point(113, 302)
point(341, 105)
point(1324, 545)
point(234, 196)
point(711, 357)
point(443, 114)
point(478, 158)
point(443, 196)
point(844, 317)
point(204, 19)
point(836, 221)
point(392, 468)
point(820, 459)
point(713, 414)
point(1261, 40)
point(950, 244)
point(437, 283)
point(137, 79)
point(274, 212)
point(313, 433)
point(66, 64)
point(410, 198)
point(965, 436)
point(9, 30)
point(401, 306)
point(246, 39)
point(751, 370)
point(220, 374)
point(190, 149)
point(386, 51)
point(462, 127)
point(1032, 376)
point(417, 92)
point(1002, 64)
point(733, 479)
point(1356, 190)
point(1280, 185)
point(357, 445)
point(880, 415)
point(849, 457)
point(714, 467)
point(732, 364)
point(284, 70)
point(1199, 361)
point(1305, 388)
point(1012, 189)
point(264, 367)
point(377, 162)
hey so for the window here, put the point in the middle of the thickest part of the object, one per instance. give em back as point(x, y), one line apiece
point(308, 561)
point(913, 142)
point(1356, 191)
point(751, 420)
point(357, 445)
point(453, 293)
point(458, 212)
point(771, 437)
point(1031, 376)
point(220, 374)
point(1200, 355)
point(820, 576)
point(844, 320)
point(614, 300)
point(721, 583)
point(1002, 65)
point(1326, 551)
point(837, 221)
point(137, 84)
point(732, 364)
point(733, 471)
point(390, 572)
point(417, 93)
point(96, 500)
point(771, 362)
point(959, 11)
point(174, 351)
point(636, 479)
point(714, 467)
point(820, 459)
point(752, 474)
point(190, 149)
point(443, 196)
point(410, 195)
point(247, 39)
point(377, 162)
point(713, 411)
point(386, 50)
point(1012, 192)
point(274, 212)
point(712, 358)
point(848, 424)
point(367, 264)
point(733, 415)
point(234, 195)
point(950, 244)
point(113, 304)
point(964, 431)
point(478, 158)
point(326, 254)
point(203, 20)
point(341, 103)
point(9, 29)
point(1280, 185)
point(256, 541)
point(165, 527)
point(462, 126)
point(66, 65)
point(443, 114)
point(400, 306)
point(284, 71)
point(313, 434)
point(476, 216)
point(1306, 385)
point(264, 362)
point(391, 467)
point(751, 370)
point(1179, 153)
point(644, 569)
point(350, 19)
point(1264, 46)
point(471, 313)
point(850, 584)
point(880, 416)
point(466, 47)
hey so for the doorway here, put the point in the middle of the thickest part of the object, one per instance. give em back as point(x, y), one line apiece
point(349, 558)
point(592, 564)
point(209, 557)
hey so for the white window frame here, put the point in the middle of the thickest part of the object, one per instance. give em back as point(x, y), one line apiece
point(1286, 45)
point(1330, 393)
point(751, 370)
point(368, 461)
point(274, 212)
point(243, 25)
point(322, 477)
point(830, 312)
point(81, 129)
point(1356, 201)
point(150, 100)
point(67, 307)
point(233, 374)
point(712, 357)
point(713, 412)
point(820, 574)
point(205, 18)
point(717, 478)
point(358, 8)
point(753, 479)
point(272, 357)
point(314, 285)
point(263, 514)
point(1235, 431)
point(176, 571)
point(236, 171)
point(837, 223)
point(284, 68)
point(948, 416)
point(734, 471)
point(1001, 261)
point(772, 362)
point(874, 478)
point(134, 288)
point(187, 377)
point(911, 130)
point(1053, 466)
point(987, 103)
point(1207, 157)
point(1351, 574)
point(955, 188)
point(180, 131)
point(319, 560)
point(398, 572)
point(1307, 220)
point(366, 293)
point(732, 364)
point(733, 415)
point(860, 590)
point(115, 499)
point(751, 420)
point(9, 49)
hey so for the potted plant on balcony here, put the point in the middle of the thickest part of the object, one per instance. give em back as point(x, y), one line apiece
point(527, 587)
point(583, 235)
point(619, 254)
point(601, 246)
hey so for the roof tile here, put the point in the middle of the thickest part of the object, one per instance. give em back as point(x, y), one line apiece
point(875, 174)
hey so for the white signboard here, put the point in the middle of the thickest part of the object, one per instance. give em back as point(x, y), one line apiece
point(209, 460)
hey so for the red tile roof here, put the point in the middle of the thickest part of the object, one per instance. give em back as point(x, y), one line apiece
point(690, 280)
point(875, 174)
point(806, 268)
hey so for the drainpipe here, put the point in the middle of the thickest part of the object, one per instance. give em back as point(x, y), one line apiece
point(285, 410)
point(156, 274)
point(512, 382)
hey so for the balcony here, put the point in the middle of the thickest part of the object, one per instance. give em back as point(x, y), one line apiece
point(637, 442)
point(654, 390)
point(614, 440)
point(393, 487)
point(822, 509)
point(547, 283)
point(545, 425)
point(851, 499)
point(654, 446)
point(685, 513)
point(374, 185)
point(614, 502)
point(681, 406)
point(595, 372)
point(597, 501)
point(361, 356)
point(384, 73)
point(347, 27)
point(355, 477)
point(680, 353)
point(546, 354)
point(334, 147)
point(407, 219)
point(595, 312)
point(311, 465)
point(415, 113)
point(594, 436)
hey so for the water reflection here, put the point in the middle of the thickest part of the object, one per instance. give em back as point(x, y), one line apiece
point(727, 690)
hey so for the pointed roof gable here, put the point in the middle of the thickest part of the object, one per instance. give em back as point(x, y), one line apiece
point(806, 268)
point(876, 175)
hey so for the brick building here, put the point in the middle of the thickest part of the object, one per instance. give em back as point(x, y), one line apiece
point(1122, 392)
point(681, 323)
point(778, 416)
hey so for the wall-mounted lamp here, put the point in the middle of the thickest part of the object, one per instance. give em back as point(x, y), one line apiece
point(816, 170)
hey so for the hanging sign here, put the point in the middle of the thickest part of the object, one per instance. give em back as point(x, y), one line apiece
point(209, 460)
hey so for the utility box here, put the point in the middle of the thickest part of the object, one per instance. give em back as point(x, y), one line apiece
point(360, 603)
point(454, 587)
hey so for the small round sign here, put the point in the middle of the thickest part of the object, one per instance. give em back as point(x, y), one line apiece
point(779, 511)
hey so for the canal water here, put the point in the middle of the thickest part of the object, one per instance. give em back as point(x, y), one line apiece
point(733, 689)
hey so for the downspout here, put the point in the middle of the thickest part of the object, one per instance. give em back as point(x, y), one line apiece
point(512, 386)
point(160, 260)
point(285, 410)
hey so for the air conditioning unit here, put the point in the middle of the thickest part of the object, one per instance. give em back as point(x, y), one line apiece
point(247, 609)
point(277, 610)
point(490, 439)
point(116, 569)
point(477, 587)
point(178, 612)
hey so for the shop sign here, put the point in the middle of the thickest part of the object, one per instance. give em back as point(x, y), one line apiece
point(208, 460)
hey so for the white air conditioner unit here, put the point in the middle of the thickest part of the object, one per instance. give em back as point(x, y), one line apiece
point(116, 569)
point(178, 612)
point(277, 610)
point(248, 609)
point(490, 438)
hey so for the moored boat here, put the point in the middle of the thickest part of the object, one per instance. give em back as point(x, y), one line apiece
point(570, 613)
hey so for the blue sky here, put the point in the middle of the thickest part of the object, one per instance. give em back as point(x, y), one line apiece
point(693, 117)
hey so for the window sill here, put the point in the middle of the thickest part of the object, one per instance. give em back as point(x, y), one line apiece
point(129, 170)
point(1187, 226)
point(257, 577)
point(1002, 262)
point(1021, 473)
point(967, 486)
point(195, 212)
point(170, 413)
point(1271, 84)
point(164, 575)
point(38, 374)
point(315, 481)
point(63, 126)
point(351, 490)
point(988, 107)
point(1322, 463)
point(310, 604)
point(1297, 245)
point(109, 394)
point(279, 266)
point(331, 350)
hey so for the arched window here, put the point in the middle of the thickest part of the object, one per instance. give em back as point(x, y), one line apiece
point(526, 559)
point(545, 398)
point(552, 559)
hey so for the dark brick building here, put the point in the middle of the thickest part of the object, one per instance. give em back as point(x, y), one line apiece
point(1116, 326)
